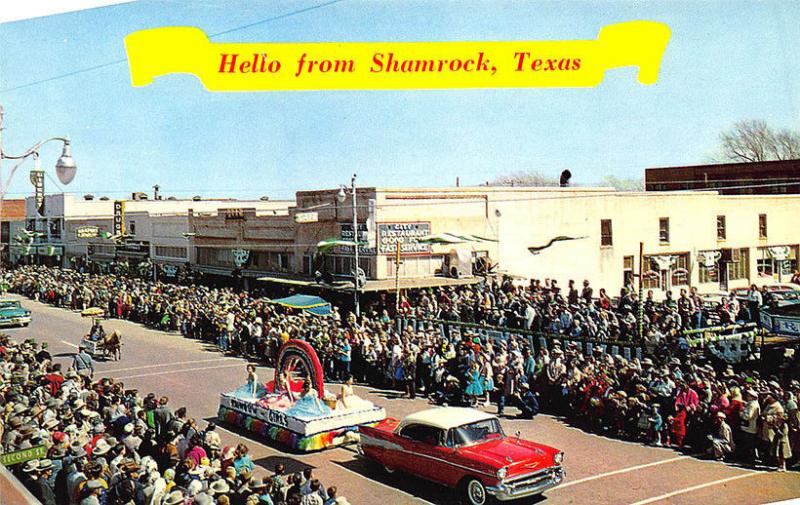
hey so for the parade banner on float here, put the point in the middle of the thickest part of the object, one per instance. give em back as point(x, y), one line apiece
point(304, 427)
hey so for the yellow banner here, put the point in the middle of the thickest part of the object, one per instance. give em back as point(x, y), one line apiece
point(396, 65)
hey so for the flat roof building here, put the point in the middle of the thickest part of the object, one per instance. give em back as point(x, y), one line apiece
point(756, 178)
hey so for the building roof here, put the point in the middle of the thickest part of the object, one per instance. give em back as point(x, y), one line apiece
point(13, 210)
point(446, 417)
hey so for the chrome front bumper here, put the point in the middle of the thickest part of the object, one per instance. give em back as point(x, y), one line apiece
point(528, 485)
point(15, 321)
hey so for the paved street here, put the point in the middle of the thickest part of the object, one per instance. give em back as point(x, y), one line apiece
point(599, 470)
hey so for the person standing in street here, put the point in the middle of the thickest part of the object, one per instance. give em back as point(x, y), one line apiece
point(754, 300)
point(82, 363)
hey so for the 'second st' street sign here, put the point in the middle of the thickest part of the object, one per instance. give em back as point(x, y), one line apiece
point(17, 457)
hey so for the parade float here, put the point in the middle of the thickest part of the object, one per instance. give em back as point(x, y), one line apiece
point(294, 409)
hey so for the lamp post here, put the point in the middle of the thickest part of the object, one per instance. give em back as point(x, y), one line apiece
point(65, 166)
point(341, 196)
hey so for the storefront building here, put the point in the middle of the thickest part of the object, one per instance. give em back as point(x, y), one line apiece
point(704, 239)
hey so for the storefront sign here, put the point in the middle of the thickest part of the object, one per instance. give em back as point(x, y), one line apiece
point(119, 217)
point(134, 248)
point(87, 232)
point(17, 457)
point(405, 234)
point(346, 233)
point(240, 257)
point(306, 217)
point(50, 250)
point(37, 179)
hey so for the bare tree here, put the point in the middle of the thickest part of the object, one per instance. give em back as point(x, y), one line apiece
point(754, 140)
point(623, 184)
point(530, 178)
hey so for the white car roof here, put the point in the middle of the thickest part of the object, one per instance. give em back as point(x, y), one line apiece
point(445, 417)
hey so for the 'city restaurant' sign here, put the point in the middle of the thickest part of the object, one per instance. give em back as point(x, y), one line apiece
point(406, 234)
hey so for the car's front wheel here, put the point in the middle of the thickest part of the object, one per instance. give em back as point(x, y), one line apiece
point(473, 492)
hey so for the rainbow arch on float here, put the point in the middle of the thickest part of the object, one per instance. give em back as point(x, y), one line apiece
point(294, 353)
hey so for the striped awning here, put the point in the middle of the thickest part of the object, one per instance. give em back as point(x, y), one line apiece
point(453, 238)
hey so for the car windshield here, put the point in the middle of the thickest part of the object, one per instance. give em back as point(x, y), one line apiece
point(487, 429)
point(7, 304)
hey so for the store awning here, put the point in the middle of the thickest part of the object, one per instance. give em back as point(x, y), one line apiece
point(453, 238)
point(309, 303)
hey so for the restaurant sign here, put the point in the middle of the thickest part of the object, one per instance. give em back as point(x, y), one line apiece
point(406, 234)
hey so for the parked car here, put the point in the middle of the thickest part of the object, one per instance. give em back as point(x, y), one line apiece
point(463, 449)
point(774, 289)
point(784, 298)
point(13, 314)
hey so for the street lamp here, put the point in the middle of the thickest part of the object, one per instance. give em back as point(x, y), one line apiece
point(341, 196)
point(65, 166)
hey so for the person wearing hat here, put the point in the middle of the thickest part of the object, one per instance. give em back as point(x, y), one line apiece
point(722, 444)
point(82, 363)
point(92, 490)
point(749, 429)
point(219, 487)
point(29, 471)
point(41, 485)
point(528, 403)
point(772, 416)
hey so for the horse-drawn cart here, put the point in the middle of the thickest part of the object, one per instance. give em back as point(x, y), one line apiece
point(96, 342)
point(110, 346)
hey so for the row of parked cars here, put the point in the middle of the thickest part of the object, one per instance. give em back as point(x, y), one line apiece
point(779, 295)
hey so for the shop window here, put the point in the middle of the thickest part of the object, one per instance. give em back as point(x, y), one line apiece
point(708, 274)
point(680, 270)
point(767, 266)
point(739, 267)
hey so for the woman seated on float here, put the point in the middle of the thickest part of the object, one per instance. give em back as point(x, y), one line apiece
point(347, 398)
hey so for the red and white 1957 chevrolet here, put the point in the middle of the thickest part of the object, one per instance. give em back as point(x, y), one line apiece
point(464, 449)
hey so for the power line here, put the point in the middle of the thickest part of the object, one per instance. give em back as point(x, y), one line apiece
point(275, 18)
point(224, 32)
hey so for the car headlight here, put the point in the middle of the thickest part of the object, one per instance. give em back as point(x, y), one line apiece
point(558, 458)
point(501, 474)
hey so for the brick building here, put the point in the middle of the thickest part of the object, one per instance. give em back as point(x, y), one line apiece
point(757, 178)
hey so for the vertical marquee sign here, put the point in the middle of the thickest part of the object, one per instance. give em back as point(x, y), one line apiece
point(119, 217)
point(37, 179)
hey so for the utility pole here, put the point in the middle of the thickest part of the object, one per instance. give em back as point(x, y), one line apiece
point(641, 292)
point(2, 197)
point(355, 247)
point(397, 263)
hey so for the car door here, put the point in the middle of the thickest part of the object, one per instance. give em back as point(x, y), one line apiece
point(424, 451)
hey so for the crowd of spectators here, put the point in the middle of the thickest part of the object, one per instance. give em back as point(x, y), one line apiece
point(108, 445)
point(670, 396)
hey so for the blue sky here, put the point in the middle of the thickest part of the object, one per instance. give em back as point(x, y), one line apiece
point(726, 61)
